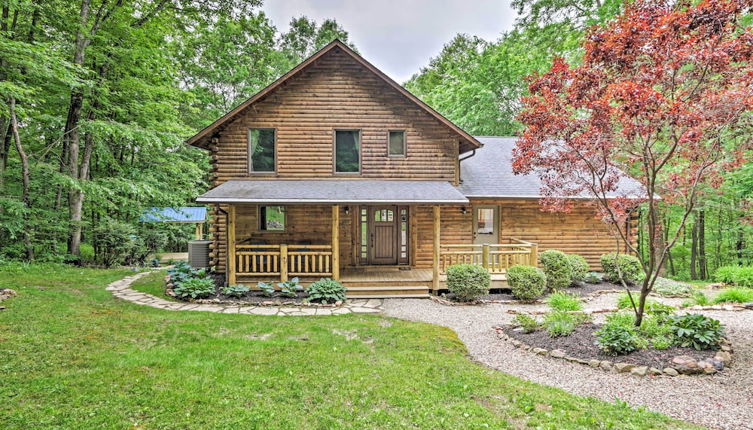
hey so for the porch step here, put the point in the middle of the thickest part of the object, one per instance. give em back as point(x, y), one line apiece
point(386, 291)
point(390, 296)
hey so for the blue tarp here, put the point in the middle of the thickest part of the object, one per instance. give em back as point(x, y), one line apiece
point(186, 214)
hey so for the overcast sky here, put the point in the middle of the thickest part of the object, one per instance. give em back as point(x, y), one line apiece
point(400, 36)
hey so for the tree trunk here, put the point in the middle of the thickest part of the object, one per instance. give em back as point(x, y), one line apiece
point(25, 178)
point(5, 132)
point(702, 244)
point(694, 250)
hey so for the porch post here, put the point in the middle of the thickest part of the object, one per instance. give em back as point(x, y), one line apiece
point(231, 245)
point(534, 254)
point(435, 265)
point(335, 242)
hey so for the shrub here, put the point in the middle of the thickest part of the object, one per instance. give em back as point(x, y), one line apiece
point(235, 290)
point(266, 288)
point(195, 288)
point(579, 268)
point(623, 301)
point(629, 267)
point(735, 295)
point(559, 323)
point(468, 282)
point(698, 298)
point(659, 311)
point(696, 330)
point(326, 290)
point(616, 339)
point(744, 277)
point(556, 266)
point(528, 323)
point(593, 278)
point(290, 288)
point(559, 301)
point(526, 282)
point(726, 274)
point(669, 287)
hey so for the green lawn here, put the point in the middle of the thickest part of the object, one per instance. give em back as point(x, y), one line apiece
point(72, 356)
point(154, 284)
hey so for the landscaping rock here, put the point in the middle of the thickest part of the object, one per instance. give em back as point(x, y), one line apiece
point(540, 351)
point(558, 353)
point(6, 293)
point(654, 371)
point(639, 371)
point(671, 372)
point(606, 365)
point(723, 356)
point(707, 366)
point(748, 305)
point(623, 367)
point(686, 365)
point(594, 363)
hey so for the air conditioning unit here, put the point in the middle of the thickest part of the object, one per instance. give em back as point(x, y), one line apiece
point(198, 253)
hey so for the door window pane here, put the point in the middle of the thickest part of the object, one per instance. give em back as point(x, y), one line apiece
point(485, 220)
point(397, 143)
point(347, 149)
point(272, 218)
point(364, 234)
point(261, 147)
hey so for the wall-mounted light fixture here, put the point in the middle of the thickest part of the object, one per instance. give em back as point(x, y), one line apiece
point(464, 210)
point(347, 210)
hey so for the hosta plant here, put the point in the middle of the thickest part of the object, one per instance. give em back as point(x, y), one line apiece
point(326, 290)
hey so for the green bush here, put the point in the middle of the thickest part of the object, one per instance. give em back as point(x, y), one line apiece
point(698, 298)
point(726, 274)
point(326, 290)
point(593, 278)
point(659, 310)
point(617, 339)
point(560, 323)
point(266, 288)
point(468, 282)
point(526, 282)
point(735, 295)
point(528, 323)
point(629, 267)
point(556, 266)
point(195, 288)
point(236, 291)
point(744, 277)
point(560, 301)
point(579, 268)
point(669, 287)
point(290, 288)
point(696, 330)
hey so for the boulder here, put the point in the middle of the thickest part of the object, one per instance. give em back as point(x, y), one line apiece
point(623, 367)
point(639, 371)
point(723, 356)
point(686, 365)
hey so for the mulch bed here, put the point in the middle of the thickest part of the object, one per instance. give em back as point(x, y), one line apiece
point(257, 298)
point(580, 291)
point(582, 344)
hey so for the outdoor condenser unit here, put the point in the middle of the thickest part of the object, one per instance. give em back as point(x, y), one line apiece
point(198, 253)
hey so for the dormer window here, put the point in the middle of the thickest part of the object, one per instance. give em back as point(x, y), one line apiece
point(261, 150)
point(396, 143)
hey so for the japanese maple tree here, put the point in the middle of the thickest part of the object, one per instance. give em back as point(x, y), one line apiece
point(664, 93)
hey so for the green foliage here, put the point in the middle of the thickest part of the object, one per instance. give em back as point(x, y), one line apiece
point(622, 266)
point(579, 268)
point(526, 282)
point(593, 278)
point(659, 311)
point(290, 288)
point(696, 330)
point(528, 323)
point(560, 323)
point(735, 295)
point(669, 287)
point(195, 288)
point(236, 291)
point(726, 274)
point(560, 301)
point(617, 339)
point(266, 288)
point(556, 266)
point(698, 298)
point(744, 277)
point(326, 290)
point(468, 281)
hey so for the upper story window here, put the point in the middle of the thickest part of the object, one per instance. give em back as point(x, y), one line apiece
point(347, 151)
point(396, 143)
point(261, 150)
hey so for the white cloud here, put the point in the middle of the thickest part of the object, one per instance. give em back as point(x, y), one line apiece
point(400, 36)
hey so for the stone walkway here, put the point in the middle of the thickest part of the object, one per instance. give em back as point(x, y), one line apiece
point(122, 289)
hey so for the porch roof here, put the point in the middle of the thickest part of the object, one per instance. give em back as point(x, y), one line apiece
point(361, 191)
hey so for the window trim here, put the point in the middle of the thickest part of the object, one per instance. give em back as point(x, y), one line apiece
point(259, 219)
point(250, 166)
point(405, 144)
point(334, 152)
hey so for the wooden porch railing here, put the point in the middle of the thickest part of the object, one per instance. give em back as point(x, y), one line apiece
point(283, 260)
point(496, 258)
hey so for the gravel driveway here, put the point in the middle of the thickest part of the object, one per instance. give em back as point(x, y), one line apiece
point(723, 400)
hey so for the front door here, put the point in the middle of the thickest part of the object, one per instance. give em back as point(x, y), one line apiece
point(485, 224)
point(383, 227)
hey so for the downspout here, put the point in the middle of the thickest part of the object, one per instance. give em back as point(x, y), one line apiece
point(460, 177)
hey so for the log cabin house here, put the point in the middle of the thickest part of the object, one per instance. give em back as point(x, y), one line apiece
point(335, 170)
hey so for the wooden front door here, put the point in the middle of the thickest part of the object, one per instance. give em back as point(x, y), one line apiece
point(383, 240)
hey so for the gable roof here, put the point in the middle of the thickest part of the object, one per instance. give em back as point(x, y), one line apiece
point(489, 174)
point(201, 139)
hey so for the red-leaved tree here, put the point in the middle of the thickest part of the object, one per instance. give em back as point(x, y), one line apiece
point(664, 93)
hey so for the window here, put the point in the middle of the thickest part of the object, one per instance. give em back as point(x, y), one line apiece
point(271, 218)
point(347, 151)
point(261, 149)
point(485, 221)
point(396, 143)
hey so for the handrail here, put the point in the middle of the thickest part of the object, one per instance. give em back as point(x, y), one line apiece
point(284, 260)
point(495, 257)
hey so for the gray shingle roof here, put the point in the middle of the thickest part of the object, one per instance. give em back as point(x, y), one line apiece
point(334, 191)
point(489, 174)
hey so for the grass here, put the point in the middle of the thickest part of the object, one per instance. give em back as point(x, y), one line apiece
point(154, 284)
point(564, 302)
point(73, 356)
point(735, 295)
